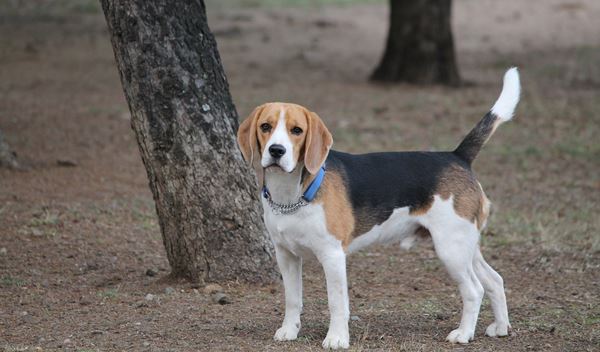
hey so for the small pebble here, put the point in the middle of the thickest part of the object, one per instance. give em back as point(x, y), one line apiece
point(355, 318)
point(67, 342)
point(149, 297)
point(169, 290)
point(146, 343)
point(3, 251)
point(151, 272)
point(66, 163)
point(221, 298)
point(84, 301)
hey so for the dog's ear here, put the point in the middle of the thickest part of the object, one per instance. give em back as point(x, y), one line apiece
point(246, 134)
point(318, 143)
point(248, 142)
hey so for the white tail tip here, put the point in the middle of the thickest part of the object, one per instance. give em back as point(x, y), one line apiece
point(505, 106)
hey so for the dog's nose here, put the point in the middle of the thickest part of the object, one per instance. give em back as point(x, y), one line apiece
point(276, 150)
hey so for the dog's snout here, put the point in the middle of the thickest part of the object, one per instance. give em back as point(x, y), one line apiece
point(276, 150)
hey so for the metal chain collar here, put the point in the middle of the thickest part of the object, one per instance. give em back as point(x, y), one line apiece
point(285, 209)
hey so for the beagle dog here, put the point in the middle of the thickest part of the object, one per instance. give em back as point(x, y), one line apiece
point(326, 204)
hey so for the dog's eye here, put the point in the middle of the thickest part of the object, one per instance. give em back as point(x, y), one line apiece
point(265, 127)
point(296, 130)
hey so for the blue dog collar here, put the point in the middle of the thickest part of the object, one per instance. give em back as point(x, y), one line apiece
point(313, 188)
point(311, 191)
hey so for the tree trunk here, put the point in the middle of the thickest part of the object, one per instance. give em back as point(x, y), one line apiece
point(419, 48)
point(185, 123)
point(8, 158)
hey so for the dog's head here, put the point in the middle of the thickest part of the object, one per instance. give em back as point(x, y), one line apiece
point(284, 135)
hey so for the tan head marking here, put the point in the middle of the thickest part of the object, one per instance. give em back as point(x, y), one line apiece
point(246, 135)
point(318, 143)
point(300, 131)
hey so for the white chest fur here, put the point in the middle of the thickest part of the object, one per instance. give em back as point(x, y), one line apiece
point(303, 233)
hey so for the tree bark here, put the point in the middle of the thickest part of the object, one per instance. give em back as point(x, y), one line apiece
point(185, 122)
point(8, 158)
point(420, 47)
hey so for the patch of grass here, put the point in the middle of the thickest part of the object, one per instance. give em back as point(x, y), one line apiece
point(144, 214)
point(84, 6)
point(568, 229)
point(15, 348)
point(563, 321)
point(495, 241)
point(430, 307)
point(42, 223)
point(320, 301)
point(578, 149)
point(537, 324)
point(511, 150)
point(308, 338)
point(10, 281)
point(432, 265)
point(110, 293)
point(147, 219)
point(44, 218)
point(518, 224)
point(590, 320)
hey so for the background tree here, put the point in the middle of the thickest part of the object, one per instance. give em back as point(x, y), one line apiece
point(420, 47)
point(185, 123)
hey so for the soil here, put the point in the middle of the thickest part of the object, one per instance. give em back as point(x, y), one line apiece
point(80, 246)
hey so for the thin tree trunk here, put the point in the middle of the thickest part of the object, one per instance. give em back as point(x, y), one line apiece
point(185, 123)
point(420, 47)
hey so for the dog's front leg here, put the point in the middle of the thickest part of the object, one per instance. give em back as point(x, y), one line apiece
point(334, 265)
point(290, 266)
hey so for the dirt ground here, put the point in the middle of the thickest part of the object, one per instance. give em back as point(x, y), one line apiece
point(78, 231)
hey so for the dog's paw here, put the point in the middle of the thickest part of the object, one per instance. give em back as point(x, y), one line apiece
point(459, 336)
point(497, 329)
point(287, 333)
point(335, 341)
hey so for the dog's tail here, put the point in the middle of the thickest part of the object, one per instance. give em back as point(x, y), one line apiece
point(502, 111)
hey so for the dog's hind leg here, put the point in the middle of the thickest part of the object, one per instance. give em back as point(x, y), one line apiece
point(455, 240)
point(455, 250)
point(494, 288)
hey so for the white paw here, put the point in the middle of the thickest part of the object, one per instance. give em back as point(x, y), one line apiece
point(335, 341)
point(459, 336)
point(497, 329)
point(287, 332)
